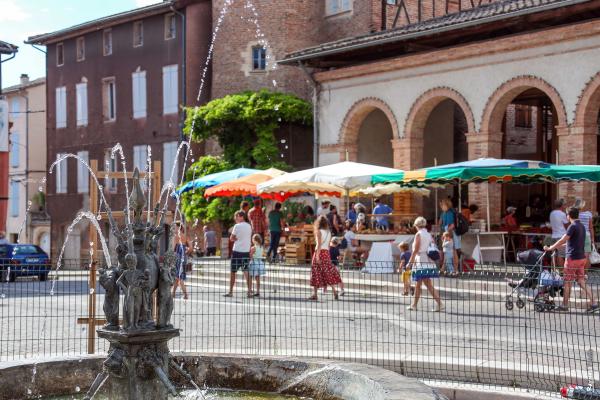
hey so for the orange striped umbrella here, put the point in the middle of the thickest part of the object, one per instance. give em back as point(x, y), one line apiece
point(246, 186)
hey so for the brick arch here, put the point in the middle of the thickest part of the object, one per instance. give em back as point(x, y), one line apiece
point(588, 105)
point(357, 114)
point(496, 105)
point(421, 110)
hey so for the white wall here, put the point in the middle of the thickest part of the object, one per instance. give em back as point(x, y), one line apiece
point(566, 66)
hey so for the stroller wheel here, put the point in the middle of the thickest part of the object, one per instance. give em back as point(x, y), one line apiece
point(509, 304)
point(520, 303)
point(539, 308)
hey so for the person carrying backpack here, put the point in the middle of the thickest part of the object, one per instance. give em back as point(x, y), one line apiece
point(449, 222)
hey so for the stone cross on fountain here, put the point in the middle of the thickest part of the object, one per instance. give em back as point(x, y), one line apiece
point(138, 358)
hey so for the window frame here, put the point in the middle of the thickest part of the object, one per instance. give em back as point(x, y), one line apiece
point(170, 18)
point(169, 108)
point(111, 185)
point(83, 185)
point(262, 50)
point(15, 199)
point(107, 33)
point(15, 151)
point(171, 149)
point(60, 51)
point(339, 7)
point(60, 107)
point(81, 104)
point(62, 176)
point(523, 116)
point(139, 111)
point(106, 99)
point(138, 27)
point(80, 48)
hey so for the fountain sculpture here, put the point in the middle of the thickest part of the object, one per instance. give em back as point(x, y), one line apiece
point(138, 357)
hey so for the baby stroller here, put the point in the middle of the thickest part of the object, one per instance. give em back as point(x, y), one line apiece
point(538, 276)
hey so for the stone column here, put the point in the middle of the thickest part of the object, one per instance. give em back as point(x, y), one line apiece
point(485, 144)
point(578, 145)
point(408, 155)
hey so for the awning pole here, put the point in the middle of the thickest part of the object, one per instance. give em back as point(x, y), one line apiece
point(435, 206)
point(459, 196)
point(487, 199)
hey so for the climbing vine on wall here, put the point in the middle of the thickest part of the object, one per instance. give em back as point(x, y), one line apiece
point(244, 125)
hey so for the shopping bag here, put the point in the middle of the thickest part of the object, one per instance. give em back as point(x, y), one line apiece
point(594, 256)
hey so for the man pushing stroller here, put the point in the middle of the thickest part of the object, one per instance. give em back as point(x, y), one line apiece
point(575, 261)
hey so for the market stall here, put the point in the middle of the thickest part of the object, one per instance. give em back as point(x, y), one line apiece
point(491, 245)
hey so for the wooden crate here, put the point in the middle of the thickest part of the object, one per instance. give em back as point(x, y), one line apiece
point(295, 253)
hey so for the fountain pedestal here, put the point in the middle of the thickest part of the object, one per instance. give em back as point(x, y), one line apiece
point(138, 363)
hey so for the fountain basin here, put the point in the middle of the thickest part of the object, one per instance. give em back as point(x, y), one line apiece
point(319, 380)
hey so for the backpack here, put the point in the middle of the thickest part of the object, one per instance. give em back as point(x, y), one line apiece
point(461, 225)
point(433, 252)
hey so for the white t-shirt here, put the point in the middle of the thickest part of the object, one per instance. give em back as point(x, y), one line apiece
point(323, 211)
point(350, 236)
point(558, 219)
point(243, 234)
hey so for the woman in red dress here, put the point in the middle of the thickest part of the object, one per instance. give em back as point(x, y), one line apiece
point(323, 273)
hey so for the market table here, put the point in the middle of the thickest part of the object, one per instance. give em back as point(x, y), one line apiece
point(383, 249)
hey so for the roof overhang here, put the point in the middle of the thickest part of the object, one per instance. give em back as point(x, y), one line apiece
point(7, 48)
point(481, 23)
point(101, 23)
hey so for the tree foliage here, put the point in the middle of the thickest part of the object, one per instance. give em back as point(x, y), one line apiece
point(193, 204)
point(244, 125)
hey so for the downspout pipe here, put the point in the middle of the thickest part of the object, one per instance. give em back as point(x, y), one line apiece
point(27, 223)
point(183, 69)
point(316, 96)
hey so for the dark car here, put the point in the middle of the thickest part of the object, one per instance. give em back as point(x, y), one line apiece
point(23, 260)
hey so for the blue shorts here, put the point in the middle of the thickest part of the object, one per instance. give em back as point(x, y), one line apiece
point(239, 261)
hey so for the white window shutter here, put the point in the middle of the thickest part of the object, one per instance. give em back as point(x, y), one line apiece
point(14, 199)
point(61, 175)
point(83, 180)
point(138, 82)
point(169, 151)
point(15, 150)
point(61, 107)
point(82, 109)
point(170, 89)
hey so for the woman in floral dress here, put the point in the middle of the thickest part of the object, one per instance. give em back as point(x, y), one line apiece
point(323, 273)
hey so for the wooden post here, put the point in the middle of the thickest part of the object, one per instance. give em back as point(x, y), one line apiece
point(93, 238)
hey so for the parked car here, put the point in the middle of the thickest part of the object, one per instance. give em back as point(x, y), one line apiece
point(23, 260)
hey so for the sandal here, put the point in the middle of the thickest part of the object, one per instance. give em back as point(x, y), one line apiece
point(411, 308)
point(249, 295)
point(228, 294)
point(313, 298)
point(336, 296)
point(256, 295)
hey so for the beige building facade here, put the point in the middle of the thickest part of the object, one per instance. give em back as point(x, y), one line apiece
point(27, 163)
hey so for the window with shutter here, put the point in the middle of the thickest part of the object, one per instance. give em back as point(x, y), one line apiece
point(107, 42)
point(169, 161)
point(61, 175)
point(83, 180)
point(82, 108)
point(109, 99)
point(170, 89)
point(138, 83)
point(110, 165)
point(14, 149)
point(14, 199)
point(61, 107)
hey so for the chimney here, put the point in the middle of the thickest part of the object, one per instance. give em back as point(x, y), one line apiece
point(24, 79)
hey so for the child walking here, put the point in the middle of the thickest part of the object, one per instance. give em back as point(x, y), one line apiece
point(334, 254)
point(257, 262)
point(448, 249)
point(405, 267)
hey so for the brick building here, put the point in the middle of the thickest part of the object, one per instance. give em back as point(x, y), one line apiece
point(118, 79)
point(509, 79)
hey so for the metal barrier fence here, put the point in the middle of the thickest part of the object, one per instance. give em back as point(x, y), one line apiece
point(475, 339)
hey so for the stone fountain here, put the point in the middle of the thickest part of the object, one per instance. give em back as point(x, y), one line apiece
point(138, 358)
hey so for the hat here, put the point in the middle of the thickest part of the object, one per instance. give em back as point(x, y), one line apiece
point(579, 203)
point(511, 209)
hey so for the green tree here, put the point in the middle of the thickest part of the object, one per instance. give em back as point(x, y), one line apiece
point(193, 204)
point(244, 125)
